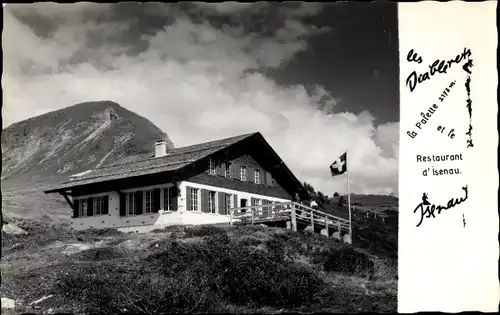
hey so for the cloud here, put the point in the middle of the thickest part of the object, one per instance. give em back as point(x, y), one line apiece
point(191, 78)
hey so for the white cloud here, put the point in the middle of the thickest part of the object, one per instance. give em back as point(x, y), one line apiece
point(191, 83)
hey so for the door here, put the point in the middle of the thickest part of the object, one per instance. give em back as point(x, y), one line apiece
point(243, 203)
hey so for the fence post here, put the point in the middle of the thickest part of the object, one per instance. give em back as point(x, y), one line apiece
point(326, 226)
point(231, 217)
point(253, 209)
point(312, 221)
point(294, 218)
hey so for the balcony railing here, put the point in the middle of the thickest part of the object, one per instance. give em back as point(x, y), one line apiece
point(287, 210)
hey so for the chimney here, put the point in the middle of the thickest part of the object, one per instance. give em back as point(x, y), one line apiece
point(160, 148)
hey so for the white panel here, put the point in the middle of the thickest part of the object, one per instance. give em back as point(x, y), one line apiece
point(449, 262)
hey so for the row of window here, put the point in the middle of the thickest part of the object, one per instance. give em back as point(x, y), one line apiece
point(194, 203)
point(91, 206)
point(150, 201)
point(212, 200)
point(133, 203)
point(212, 170)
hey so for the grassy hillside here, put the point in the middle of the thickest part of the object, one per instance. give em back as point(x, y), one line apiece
point(375, 219)
point(191, 269)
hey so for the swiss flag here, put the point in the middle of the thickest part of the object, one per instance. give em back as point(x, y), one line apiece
point(339, 166)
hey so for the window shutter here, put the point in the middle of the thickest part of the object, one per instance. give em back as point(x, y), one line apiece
point(221, 168)
point(123, 208)
point(175, 197)
point(156, 198)
point(222, 203)
point(236, 201)
point(250, 174)
point(90, 207)
point(265, 209)
point(236, 170)
point(188, 198)
point(269, 179)
point(106, 204)
point(138, 202)
point(204, 200)
point(76, 205)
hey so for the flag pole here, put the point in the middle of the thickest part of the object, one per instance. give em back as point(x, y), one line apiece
point(349, 201)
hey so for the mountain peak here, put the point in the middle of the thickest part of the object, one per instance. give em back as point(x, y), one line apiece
point(74, 139)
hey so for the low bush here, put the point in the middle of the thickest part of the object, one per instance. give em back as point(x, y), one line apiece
point(192, 277)
point(249, 241)
point(203, 230)
point(346, 260)
point(98, 232)
point(345, 299)
point(97, 254)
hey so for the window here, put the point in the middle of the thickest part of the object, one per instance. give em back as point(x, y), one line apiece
point(168, 199)
point(257, 176)
point(227, 172)
point(212, 169)
point(227, 204)
point(150, 201)
point(211, 201)
point(82, 211)
point(194, 199)
point(256, 202)
point(273, 182)
point(130, 201)
point(243, 173)
point(99, 206)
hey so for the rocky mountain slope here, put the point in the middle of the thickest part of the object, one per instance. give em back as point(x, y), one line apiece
point(46, 148)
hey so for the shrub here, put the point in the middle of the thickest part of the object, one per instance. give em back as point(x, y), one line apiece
point(203, 230)
point(276, 248)
point(98, 232)
point(299, 285)
point(386, 269)
point(112, 289)
point(285, 245)
point(249, 241)
point(191, 277)
point(348, 261)
point(97, 254)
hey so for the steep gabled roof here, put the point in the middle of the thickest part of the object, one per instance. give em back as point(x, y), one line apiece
point(144, 164)
point(179, 158)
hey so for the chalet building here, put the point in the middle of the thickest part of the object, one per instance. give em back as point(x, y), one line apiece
point(197, 184)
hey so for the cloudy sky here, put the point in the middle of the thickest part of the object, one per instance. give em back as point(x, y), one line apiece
point(314, 79)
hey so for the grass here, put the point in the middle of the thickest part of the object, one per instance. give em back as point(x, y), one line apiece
point(192, 269)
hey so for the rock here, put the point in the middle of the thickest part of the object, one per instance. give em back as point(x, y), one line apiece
point(11, 228)
point(16, 246)
point(336, 235)
point(309, 229)
point(41, 299)
point(75, 248)
point(6, 218)
point(8, 303)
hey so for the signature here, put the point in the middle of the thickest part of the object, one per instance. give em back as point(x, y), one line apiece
point(437, 67)
point(467, 69)
point(428, 210)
